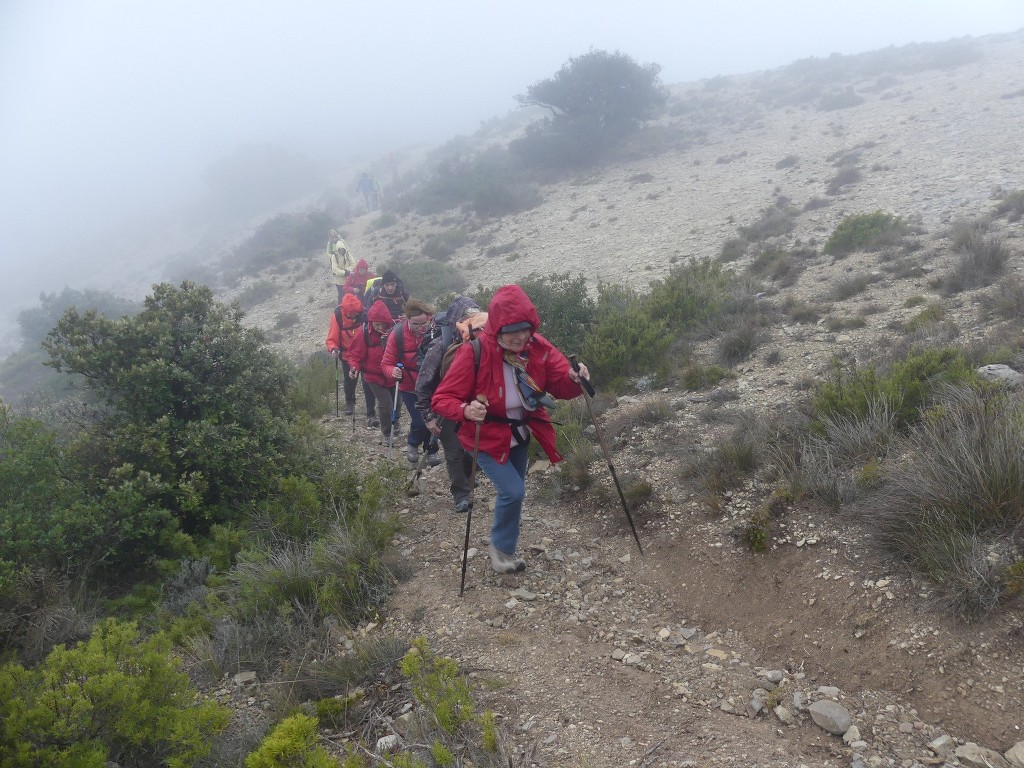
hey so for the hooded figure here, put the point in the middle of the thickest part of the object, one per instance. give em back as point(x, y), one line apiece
point(346, 323)
point(342, 262)
point(355, 283)
point(365, 356)
point(517, 373)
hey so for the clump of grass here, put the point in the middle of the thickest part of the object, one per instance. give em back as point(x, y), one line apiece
point(817, 202)
point(954, 507)
point(287, 320)
point(739, 342)
point(1007, 300)
point(698, 377)
point(647, 412)
point(1012, 205)
point(780, 266)
point(851, 285)
point(773, 221)
point(982, 259)
point(733, 249)
point(930, 315)
point(800, 311)
point(865, 232)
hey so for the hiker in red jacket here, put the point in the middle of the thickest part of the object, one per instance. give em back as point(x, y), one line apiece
point(410, 333)
point(356, 281)
point(365, 354)
point(518, 373)
point(345, 324)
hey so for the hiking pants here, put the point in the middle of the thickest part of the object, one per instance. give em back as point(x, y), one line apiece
point(383, 396)
point(457, 461)
point(350, 391)
point(418, 432)
point(509, 480)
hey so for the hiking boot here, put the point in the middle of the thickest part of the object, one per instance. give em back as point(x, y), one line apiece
point(412, 454)
point(350, 409)
point(502, 563)
point(462, 506)
point(372, 422)
point(433, 459)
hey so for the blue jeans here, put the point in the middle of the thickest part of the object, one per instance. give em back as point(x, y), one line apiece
point(510, 482)
point(418, 432)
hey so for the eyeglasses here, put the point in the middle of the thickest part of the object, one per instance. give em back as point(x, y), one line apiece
point(380, 327)
point(419, 323)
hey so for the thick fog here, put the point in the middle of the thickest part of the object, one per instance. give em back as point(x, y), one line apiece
point(116, 116)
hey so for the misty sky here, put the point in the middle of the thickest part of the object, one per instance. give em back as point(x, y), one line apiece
point(108, 107)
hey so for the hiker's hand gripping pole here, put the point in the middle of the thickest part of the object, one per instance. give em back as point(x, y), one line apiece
point(588, 392)
point(482, 399)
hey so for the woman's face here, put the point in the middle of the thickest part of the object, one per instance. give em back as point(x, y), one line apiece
point(381, 327)
point(515, 341)
point(419, 324)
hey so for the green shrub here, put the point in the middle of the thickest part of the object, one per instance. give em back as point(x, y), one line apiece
point(293, 742)
point(930, 315)
point(625, 338)
point(733, 249)
point(866, 231)
point(112, 698)
point(286, 236)
point(981, 260)
point(313, 384)
point(849, 286)
point(738, 343)
point(1007, 300)
point(954, 505)
point(443, 245)
point(697, 377)
point(492, 183)
point(909, 385)
point(692, 293)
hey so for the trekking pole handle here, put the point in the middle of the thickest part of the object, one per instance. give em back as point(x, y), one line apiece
point(585, 383)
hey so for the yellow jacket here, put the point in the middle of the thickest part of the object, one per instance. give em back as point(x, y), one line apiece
point(342, 261)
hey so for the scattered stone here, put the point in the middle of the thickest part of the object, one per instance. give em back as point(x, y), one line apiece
point(523, 594)
point(852, 734)
point(244, 678)
point(773, 675)
point(1003, 374)
point(975, 756)
point(1015, 755)
point(784, 715)
point(829, 691)
point(387, 744)
point(831, 716)
point(941, 745)
point(618, 654)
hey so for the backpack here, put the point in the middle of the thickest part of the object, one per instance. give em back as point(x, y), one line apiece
point(421, 351)
point(449, 355)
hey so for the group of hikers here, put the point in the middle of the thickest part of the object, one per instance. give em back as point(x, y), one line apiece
point(475, 384)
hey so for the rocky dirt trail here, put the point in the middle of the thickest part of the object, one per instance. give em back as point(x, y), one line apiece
point(700, 653)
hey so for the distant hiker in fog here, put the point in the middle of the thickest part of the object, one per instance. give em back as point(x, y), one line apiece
point(367, 187)
point(342, 262)
point(355, 283)
point(346, 322)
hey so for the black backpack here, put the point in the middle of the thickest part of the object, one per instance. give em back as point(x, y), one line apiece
point(433, 333)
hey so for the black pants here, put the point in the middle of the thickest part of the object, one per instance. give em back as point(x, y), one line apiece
point(350, 391)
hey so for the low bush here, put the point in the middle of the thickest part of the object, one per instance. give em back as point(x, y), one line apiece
point(733, 249)
point(849, 286)
point(691, 294)
point(779, 266)
point(648, 412)
point(697, 377)
point(930, 315)
point(774, 221)
point(286, 236)
point(954, 506)
point(626, 337)
point(114, 698)
point(981, 260)
point(1007, 300)
point(909, 386)
point(293, 742)
point(865, 232)
point(739, 342)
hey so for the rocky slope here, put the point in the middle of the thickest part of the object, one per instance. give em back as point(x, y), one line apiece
point(818, 652)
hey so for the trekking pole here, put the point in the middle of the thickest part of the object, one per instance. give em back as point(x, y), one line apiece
point(354, 390)
point(472, 484)
point(394, 414)
point(337, 387)
point(588, 392)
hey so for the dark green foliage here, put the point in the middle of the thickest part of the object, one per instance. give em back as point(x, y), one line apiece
point(930, 315)
point(908, 386)
point(697, 377)
point(51, 516)
point(626, 337)
point(595, 101)
point(293, 742)
point(865, 231)
point(691, 294)
point(313, 384)
point(193, 398)
point(565, 308)
point(112, 698)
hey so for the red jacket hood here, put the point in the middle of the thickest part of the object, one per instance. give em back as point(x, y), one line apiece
point(351, 305)
point(509, 305)
point(379, 313)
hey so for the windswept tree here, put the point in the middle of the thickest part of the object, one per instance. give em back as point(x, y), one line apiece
point(595, 100)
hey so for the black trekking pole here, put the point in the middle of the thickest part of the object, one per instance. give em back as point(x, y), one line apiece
point(337, 387)
point(588, 392)
point(394, 414)
point(472, 485)
point(355, 389)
